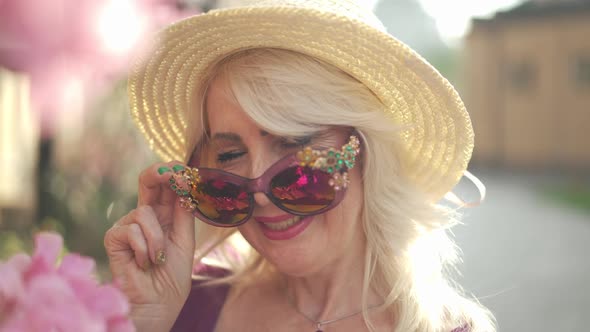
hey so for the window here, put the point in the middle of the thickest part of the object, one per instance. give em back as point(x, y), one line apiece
point(581, 71)
point(521, 76)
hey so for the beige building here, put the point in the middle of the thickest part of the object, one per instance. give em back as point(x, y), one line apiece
point(527, 86)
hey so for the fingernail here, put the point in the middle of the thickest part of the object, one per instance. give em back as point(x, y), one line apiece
point(147, 265)
point(160, 257)
point(163, 170)
point(178, 168)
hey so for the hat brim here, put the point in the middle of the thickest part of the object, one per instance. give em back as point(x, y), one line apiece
point(438, 141)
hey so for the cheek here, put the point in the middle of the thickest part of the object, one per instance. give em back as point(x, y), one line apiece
point(250, 233)
point(353, 199)
point(346, 218)
point(351, 207)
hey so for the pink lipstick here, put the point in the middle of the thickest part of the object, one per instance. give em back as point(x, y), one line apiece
point(281, 228)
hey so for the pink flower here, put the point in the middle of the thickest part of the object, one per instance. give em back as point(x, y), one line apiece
point(37, 295)
point(74, 49)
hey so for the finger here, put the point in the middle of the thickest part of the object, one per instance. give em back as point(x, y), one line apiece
point(139, 245)
point(146, 218)
point(126, 243)
point(183, 225)
point(153, 184)
point(169, 197)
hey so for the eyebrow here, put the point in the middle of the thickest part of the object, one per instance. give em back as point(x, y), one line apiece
point(235, 138)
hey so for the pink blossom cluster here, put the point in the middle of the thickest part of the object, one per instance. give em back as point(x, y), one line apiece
point(73, 48)
point(37, 295)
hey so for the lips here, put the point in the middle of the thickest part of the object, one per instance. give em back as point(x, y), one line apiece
point(283, 227)
point(274, 219)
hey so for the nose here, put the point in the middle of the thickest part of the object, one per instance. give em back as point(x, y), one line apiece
point(259, 167)
point(261, 199)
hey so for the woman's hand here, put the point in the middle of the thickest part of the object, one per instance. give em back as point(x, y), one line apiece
point(151, 251)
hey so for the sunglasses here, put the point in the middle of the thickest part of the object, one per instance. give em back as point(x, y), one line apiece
point(305, 183)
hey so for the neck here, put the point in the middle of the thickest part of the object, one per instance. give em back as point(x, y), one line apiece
point(333, 291)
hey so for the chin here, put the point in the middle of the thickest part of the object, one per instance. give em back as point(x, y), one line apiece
point(296, 266)
point(301, 255)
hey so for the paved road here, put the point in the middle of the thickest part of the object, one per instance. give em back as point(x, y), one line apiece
point(526, 258)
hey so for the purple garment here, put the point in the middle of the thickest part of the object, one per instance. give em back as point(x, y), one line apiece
point(203, 306)
point(464, 328)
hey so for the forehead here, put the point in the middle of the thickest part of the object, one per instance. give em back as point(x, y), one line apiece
point(224, 114)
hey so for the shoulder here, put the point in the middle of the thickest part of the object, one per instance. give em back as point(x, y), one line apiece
point(204, 303)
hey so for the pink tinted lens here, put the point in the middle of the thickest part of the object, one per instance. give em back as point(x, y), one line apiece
point(302, 189)
point(222, 202)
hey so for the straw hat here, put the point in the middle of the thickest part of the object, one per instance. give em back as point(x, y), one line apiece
point(436, 147)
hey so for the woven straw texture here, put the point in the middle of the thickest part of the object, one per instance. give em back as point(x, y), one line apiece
point(438, 143)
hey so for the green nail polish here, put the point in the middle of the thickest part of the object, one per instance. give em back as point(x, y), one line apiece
point(163, 170)
point(178, 168)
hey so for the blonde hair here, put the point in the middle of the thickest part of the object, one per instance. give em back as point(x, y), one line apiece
point(409, 253)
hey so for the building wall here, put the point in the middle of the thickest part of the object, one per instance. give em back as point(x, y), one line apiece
point(528, 93)
point(573, 38)
point(482, 97)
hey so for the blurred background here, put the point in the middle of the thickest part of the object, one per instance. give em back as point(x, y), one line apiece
point(70, 155)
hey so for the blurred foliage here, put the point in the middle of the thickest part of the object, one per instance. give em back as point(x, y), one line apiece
point(572, 195)
point(90, 182)
point(11, 243)
point(19, 238)
point(447, 61)
point(94, 178)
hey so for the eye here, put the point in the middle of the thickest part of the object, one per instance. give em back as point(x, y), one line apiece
point(229, 156)
point(295, 142)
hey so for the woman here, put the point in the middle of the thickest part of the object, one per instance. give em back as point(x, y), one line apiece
point(325, 143)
